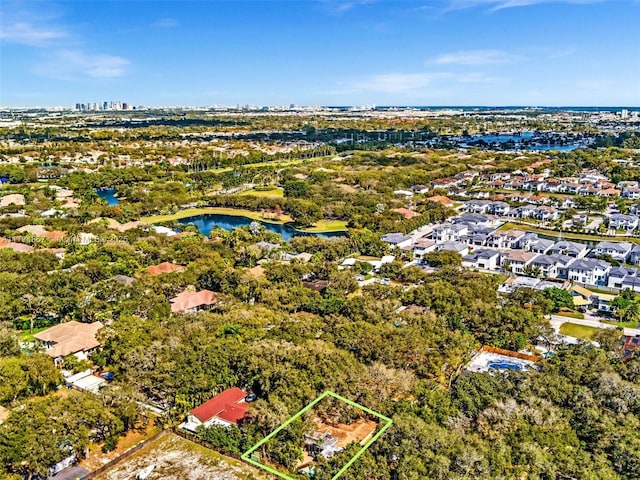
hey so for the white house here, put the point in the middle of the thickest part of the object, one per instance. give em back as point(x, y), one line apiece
point(617, 250)
point(482, 259)
point(620, 221)
point(588, 271)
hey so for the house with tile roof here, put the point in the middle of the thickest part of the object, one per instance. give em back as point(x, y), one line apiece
point(70, 338)
point(190, 302)
point(226, 409)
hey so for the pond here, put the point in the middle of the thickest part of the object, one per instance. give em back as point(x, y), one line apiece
point(206, 223)
point(108, 194)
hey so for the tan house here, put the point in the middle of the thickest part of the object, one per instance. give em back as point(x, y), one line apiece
point(70, 338)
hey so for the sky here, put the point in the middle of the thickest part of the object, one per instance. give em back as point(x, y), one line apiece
point(320, 52)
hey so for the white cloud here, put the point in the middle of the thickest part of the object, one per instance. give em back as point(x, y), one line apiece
point(78, 65)
point(166, 23)
point(502, 4)
point(475, 57)
point(28, 34)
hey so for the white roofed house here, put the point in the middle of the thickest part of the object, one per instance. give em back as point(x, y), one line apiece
point(499, 208)
point(482, 259)
point(477, 206)
point(571, 249)
point(623, 277)
point(634, 255)
point(588, 271)
point(541, 245)
point(448, 232)
point(617, 250)
point(475, 219)
point(620, 221)
point(457, 247)
point(546, 265)
point(396, 240)
point(506, 239)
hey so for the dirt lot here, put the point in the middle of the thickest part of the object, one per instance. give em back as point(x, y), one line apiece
point(176, 459)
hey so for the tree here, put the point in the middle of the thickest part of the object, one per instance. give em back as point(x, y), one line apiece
point(560, 298)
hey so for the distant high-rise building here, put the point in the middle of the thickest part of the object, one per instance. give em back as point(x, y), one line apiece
point(125, 106)
point(78, 106)
point(624, 113)
point(105, 105)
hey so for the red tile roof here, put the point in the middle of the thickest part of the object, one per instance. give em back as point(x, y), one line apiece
point(228, 406)
point(188, 300)
point(164, 267)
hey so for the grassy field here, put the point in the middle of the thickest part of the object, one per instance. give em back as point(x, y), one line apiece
point(323, 226)
point(176, 459)
point(571, 314)
point(27, 336)
point(287, 163)
point(275, 193)
point(578, 331)
point(632, 324)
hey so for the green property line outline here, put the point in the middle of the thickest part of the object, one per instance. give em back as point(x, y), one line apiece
point(246, 456)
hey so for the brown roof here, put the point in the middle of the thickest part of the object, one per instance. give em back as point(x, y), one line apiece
point(405, 212)
point(164, 267)
point(16, 247)
point(188, 300)
point(520, 256)
point(70, 337)
point(55, 236)
point(446, 201)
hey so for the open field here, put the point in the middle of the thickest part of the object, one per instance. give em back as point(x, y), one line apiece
point(176, 459)
point(323, 226)
point(578, 331)
point(275, 193)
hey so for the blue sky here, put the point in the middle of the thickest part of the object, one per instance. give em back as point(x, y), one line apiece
point(321, 52)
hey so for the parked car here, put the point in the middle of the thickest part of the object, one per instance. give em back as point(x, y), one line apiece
point(385, 281)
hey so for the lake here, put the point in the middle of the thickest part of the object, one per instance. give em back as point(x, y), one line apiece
point(108, 194)
point(206, 223)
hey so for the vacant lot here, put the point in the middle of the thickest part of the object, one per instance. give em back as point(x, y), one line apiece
point(578, 331)
point(176, 459)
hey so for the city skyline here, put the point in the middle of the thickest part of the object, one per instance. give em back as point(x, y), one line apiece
point(326, 52)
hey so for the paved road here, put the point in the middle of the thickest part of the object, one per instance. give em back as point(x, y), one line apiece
point(589, 321)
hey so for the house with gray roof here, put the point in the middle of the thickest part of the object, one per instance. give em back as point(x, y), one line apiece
point(621, 221)
point(588, 271)
point(617, 250)
point(396, 240)
point(571, 249)
point(482, 259)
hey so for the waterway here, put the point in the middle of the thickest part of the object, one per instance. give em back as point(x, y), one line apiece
point(108, 194)
point(206, 223)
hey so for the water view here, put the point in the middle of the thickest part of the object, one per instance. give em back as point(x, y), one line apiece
point(206, 223)
point(108, 194)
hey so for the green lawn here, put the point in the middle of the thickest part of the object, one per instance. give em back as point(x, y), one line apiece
point(276, 192)
point(326, 226)
point(27, 336)
point(571, 314)
point(578, 331)
point(621, 324)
